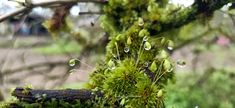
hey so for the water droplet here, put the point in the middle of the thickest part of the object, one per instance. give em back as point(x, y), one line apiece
point(145, 39)
point(146, 64)
point(170, 45)
point(181, 63)
point(126, 49)
point(140, 22)
point(147, 46)
point(196, 106)
point(72, 62)
point(170, 48)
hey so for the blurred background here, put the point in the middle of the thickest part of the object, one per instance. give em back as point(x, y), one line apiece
point(204, 54)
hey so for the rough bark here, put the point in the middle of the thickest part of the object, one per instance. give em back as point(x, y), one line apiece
point(67, 95)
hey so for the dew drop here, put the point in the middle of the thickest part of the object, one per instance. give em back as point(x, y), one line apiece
point(170, 45)
point(146, 64)
point(147, 46)
point(72, 62)
point(170, 48)
point(181, 63)
point(126, 49)
point(145, 39)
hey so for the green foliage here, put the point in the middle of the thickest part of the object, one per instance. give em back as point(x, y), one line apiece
point(213, 91)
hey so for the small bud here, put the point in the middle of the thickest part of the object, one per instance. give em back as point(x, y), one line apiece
point(153, 67)
point(159, 93)
point(129, 41)
point(167, 64)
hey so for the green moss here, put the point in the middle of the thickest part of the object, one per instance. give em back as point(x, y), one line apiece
point(131, 51)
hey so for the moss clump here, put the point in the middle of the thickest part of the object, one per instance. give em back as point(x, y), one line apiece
point(136, 68)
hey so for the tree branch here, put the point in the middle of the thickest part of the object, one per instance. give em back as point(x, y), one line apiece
point(187, 15)
point(69, 95)
point(29, 6)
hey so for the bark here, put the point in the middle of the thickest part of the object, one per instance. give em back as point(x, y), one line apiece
point(67, 95)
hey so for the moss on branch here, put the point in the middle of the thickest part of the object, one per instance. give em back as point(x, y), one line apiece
point(137, 66)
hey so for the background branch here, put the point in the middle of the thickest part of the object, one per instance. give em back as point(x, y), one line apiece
point(30, 6)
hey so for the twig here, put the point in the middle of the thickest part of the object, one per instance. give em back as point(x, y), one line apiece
point(176, 21)
point(30, 6)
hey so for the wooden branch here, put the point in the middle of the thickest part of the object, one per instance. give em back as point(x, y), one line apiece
point(11, 14)
point(183, 17)
point(29, 6)
point(68, 95)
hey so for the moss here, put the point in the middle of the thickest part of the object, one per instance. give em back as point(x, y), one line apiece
point(131, 51)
